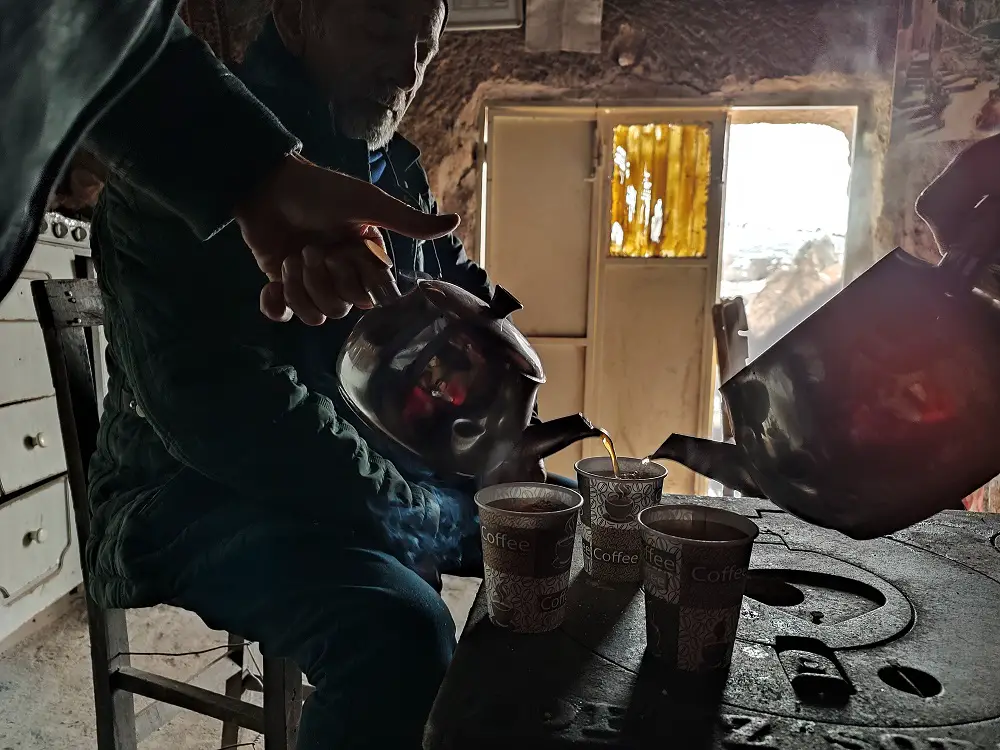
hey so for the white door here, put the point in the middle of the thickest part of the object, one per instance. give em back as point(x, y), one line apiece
point(661, 181)
point(538, 235)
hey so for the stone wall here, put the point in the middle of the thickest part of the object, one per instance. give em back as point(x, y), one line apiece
point(660, 49)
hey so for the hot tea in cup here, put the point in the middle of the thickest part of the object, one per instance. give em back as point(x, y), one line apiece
point(695, 561)
point(528, 533)
point(611, 504)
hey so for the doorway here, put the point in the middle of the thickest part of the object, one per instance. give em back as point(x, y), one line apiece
point(785, 219)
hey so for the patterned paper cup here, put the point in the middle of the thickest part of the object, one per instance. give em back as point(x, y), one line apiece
point(528, 532)
point(612, 547)
point(694, 564)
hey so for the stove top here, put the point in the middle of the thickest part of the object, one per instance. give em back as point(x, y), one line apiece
point(886, 644)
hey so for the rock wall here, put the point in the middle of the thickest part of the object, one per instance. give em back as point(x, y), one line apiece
point(226, 25)
point(660, 49)
point(947, 95)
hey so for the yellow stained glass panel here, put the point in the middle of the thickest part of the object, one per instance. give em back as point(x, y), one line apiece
point(659, 190)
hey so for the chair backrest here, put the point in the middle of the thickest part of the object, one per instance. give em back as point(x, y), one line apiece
point(729, 317)
point(67, 311)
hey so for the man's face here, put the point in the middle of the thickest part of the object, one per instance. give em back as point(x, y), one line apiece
point(370, 56)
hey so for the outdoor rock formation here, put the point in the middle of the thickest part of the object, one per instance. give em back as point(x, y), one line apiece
point(793, 293)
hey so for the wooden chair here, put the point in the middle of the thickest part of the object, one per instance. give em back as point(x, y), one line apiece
point(729, 318)
point(69, 312)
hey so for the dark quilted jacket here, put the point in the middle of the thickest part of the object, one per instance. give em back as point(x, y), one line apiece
point(218, 418)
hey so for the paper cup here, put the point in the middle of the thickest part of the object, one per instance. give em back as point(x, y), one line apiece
point(695, 562)
point(528, 532)
point(612, 547)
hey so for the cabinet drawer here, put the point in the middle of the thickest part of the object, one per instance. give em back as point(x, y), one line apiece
point(36, 535)
point(46, 262)
point(31, 447)
point(24, 365)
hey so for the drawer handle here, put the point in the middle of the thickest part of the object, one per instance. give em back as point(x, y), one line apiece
point(37, 441)
point(38, 536)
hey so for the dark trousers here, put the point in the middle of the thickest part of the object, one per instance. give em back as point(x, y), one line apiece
point(372, 636)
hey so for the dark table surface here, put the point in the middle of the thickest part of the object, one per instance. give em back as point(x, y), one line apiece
point(588, 683)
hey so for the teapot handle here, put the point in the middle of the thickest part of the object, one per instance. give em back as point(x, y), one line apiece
point(385, 294)
point(503, 303)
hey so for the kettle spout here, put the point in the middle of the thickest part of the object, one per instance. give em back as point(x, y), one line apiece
point(542, 440)
point(722, 462)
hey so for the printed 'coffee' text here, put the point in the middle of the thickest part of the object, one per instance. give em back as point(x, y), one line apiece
point(501, 540)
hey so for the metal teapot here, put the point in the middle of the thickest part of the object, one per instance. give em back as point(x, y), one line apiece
point(447, 381)
point(878, 410)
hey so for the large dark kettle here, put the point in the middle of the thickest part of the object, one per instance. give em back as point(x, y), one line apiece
point(880, 409)
point(445, 381)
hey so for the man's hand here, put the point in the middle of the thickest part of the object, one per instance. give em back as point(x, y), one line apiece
point(947, 204)
point(313, 232)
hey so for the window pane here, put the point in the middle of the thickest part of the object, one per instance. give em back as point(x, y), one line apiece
point(659, 191)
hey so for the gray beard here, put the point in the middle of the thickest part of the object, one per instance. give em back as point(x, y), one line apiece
point(376, 134)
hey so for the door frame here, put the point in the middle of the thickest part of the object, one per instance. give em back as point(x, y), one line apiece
point(604, 118)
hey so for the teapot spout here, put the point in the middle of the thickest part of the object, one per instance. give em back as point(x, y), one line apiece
point(722, 462)
point(541, 440)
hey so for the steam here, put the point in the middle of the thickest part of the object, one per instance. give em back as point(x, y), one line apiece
point(439, 528)
point(857, 39)
point(441, 533)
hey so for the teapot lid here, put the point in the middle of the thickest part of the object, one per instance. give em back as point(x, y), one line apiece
point(492, 319)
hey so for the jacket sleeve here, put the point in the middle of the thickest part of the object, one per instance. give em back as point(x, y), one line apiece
point(190, 134)
point(201, 364)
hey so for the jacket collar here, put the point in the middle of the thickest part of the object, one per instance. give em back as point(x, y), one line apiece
point(281, 82)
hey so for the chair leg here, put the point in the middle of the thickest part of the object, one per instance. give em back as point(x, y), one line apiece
point(234, 689)
point(282, 704)
point(114, 709)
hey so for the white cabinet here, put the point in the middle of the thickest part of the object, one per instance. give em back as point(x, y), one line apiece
point(31, 447)
point(39, 554)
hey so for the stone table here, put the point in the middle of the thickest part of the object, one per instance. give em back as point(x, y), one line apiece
point(899, 625)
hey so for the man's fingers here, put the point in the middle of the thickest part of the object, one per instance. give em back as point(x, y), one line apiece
point(272, 302)
point(372, 274)
point(358, 202)
point(295, 292)
point(356, 271)
point(322, 285)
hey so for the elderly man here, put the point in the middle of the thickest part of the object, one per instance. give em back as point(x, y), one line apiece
point(164, 109)
point(226, 479)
